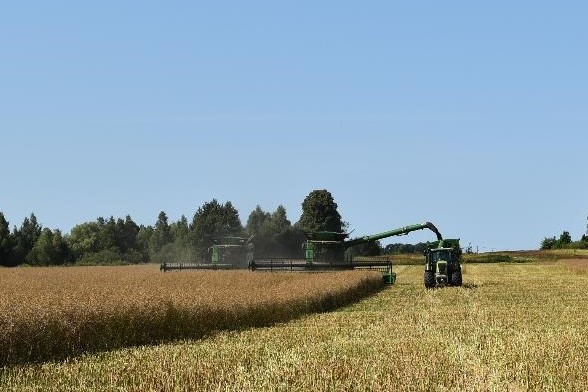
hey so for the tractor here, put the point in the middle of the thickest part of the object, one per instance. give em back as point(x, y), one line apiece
point(442, 264)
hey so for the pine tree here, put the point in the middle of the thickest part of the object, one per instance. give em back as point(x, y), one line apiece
point(5, 242)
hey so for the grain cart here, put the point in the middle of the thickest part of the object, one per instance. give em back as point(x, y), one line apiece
point(442, 263)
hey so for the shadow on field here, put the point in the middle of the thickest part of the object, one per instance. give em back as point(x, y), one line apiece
point(469, 286)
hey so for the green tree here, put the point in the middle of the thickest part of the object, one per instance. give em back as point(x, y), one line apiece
point(180, 231)
point(25, 238)
point(405, 248)
point(127, 243)
point(107, 234)
point(287, 238)
point(144, 239)
point(126, 232)
point(42, 252)
point(370, 248)
point(107, 241)
point(274, 234)
point(279, 220)
point(161, 234)
point(50, 249)
point(319, 213)
point(256, 221)
point(60, 245)
point(5, 242)
point(212, 221)
point(86, 238)
point(565, 238)
point(180, 249)
point(548, 243)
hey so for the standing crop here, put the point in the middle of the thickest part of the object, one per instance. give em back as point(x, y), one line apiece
point(57, 312)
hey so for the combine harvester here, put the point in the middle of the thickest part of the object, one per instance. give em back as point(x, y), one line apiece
point(325, 250)
point(226, 253)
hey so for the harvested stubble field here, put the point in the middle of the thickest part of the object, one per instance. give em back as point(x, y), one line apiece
point(511, 327)
point(49, 313)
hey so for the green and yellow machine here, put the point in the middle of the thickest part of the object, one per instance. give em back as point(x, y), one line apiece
point(225, 253)
point(442, 263)
point(325, 245)
point(325, 250)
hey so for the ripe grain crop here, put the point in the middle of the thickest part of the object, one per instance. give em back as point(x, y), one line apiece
point(50, 313)
point(511, 327)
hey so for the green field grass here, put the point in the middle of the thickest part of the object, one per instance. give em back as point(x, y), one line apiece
point(511, 327)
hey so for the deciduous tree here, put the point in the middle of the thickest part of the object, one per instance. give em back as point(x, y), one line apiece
point(213, 221)
point(319, 213)
point(50, 249)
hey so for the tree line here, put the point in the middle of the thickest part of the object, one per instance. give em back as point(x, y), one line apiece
point(122, 240)
point(565, 241)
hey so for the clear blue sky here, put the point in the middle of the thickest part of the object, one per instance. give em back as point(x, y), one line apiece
point(473, 115)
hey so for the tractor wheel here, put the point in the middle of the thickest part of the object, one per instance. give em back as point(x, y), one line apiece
point(456, 278)
point(429, 279)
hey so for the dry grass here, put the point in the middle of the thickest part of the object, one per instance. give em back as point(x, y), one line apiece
point(511, 327)
point(579, 267)
point(58, 312)
point(520, 256)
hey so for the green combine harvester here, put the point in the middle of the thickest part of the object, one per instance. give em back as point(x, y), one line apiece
point(325, 250)
point(225, 253)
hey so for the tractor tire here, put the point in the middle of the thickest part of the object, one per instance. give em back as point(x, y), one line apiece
point(429, 279)
point(456, 278)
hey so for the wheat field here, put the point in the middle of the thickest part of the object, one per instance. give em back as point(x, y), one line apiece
point(511, 327)
point(48, 313)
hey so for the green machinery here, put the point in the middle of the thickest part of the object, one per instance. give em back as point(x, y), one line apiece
point(325, 250)
point(234, 251)
point(225, 253)
point(336, 242)
point(442, 263)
